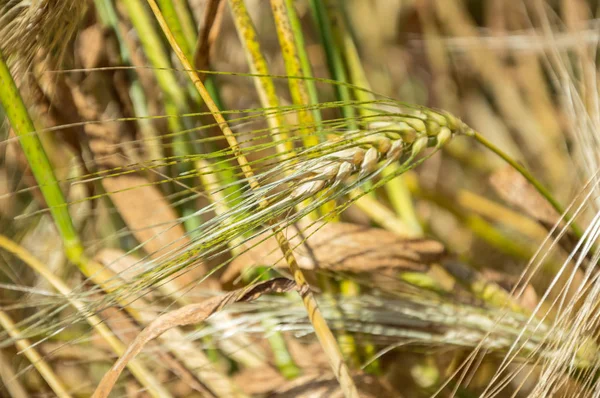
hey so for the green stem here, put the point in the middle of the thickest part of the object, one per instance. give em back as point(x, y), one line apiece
point(304, 61)
point(334, 58)
point(298, 89)
point(264, 85)
point(42, 170)
point(109, 17)
point(171, 16)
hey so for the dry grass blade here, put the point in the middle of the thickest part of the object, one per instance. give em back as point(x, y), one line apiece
point(188, 315)
point(342, 247)
point(34, 356)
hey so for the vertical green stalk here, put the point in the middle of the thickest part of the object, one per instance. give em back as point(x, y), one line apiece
point(174, 96)
point(174, 20)
point(335, 61)
point(42, 170)
point(258, 65)
point(304, 61)
point(167, 7)
point(293, 68)
point(186, 20)
point(343, 40)
point(109, 17)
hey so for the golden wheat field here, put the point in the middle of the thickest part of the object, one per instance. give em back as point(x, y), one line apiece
point(299, 198)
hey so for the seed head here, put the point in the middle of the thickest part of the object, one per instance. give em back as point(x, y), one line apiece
point(383, 139)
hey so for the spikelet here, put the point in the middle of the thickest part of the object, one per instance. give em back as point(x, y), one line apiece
point(382, 141)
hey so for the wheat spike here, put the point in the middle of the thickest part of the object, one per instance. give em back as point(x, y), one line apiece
point(383, 140)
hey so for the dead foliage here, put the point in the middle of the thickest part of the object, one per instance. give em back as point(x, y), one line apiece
point(517, 191)
point(188, 315)
point(342, 247)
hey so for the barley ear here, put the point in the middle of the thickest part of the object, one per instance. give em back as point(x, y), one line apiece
point(322, 331)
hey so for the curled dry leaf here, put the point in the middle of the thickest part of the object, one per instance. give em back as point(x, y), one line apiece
point(341, 247)
point(188, 315)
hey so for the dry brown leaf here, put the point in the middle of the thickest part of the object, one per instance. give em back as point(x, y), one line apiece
point(126, 329)
point(147, 213)
point(326, 386)
point(188, 315)
point(342, 247)
point(517, 191)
